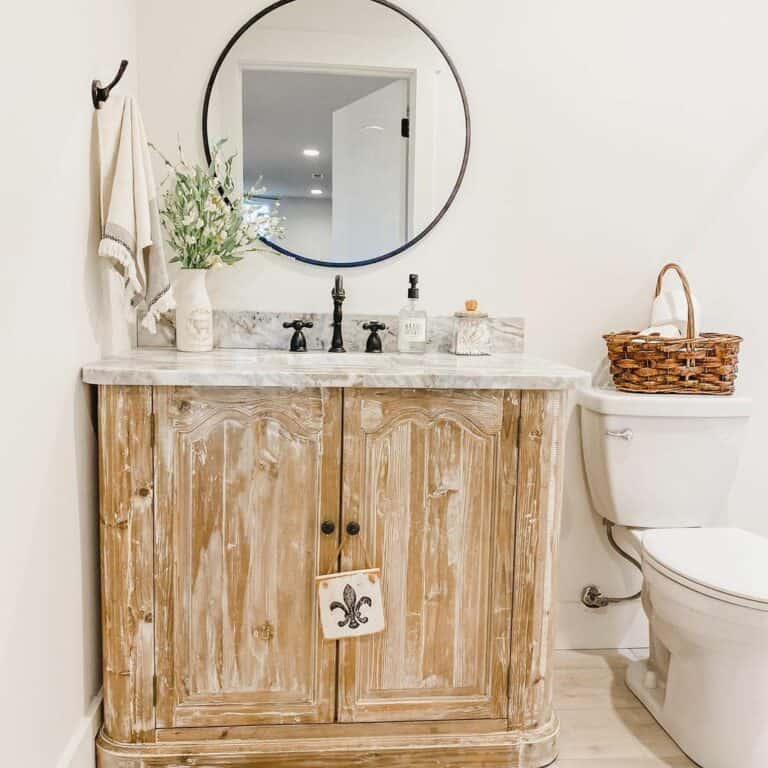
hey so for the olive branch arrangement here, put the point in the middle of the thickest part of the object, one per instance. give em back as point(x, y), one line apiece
point(206, 224)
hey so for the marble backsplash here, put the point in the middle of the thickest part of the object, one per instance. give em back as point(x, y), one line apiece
point(264, 330)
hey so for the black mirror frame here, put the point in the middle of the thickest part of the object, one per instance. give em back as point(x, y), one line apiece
point(467, 143)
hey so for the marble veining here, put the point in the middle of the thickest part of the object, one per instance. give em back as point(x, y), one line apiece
point(264, 330)
point(252, 368)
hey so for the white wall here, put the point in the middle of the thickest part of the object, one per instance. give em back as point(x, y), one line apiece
point(609, 137)
point(52, 322)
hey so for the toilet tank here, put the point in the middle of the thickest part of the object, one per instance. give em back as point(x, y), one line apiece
point(661, 461)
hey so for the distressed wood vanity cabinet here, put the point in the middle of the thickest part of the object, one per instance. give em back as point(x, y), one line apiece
point(213, 505)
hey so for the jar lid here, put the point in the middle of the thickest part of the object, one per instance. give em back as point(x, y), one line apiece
point(470, 310)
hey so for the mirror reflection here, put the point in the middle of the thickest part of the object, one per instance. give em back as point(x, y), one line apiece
point(351, 123)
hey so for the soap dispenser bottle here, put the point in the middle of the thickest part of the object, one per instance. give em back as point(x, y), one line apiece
point(412, 326)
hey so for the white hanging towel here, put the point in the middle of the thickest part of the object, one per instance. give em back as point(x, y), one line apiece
point(131, 233)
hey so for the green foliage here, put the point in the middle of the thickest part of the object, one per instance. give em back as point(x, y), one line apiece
point(205, 230)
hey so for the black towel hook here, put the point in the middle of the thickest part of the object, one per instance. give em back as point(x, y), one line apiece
point(100, 93)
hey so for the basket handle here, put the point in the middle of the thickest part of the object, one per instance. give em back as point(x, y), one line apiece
point(691, 329)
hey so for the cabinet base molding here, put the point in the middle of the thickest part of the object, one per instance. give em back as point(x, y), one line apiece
point(511, 749)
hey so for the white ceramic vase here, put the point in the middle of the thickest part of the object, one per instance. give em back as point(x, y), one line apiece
point(194, 315)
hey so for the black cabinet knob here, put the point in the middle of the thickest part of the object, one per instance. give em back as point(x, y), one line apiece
point(353, 529)
point(328, 527)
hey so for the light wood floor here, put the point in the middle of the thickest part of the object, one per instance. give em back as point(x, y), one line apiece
point(602, 724)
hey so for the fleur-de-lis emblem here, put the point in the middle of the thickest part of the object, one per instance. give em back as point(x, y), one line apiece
point(351, 608)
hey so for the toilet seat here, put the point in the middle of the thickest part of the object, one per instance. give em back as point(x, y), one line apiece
point(726, 564)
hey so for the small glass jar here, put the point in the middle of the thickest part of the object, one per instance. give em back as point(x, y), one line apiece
point(472, 331)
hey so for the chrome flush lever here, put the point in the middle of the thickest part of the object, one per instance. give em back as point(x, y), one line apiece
point(625, 434)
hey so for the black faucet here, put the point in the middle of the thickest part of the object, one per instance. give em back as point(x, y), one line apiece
point(337, 343)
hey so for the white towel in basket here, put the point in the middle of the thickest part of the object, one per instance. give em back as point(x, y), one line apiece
point(670, 308)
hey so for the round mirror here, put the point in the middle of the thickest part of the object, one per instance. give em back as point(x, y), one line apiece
point(349, 121)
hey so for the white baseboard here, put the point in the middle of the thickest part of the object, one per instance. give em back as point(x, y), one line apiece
point(80, 751)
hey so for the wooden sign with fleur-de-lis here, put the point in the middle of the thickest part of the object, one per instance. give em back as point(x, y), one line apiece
point(351, 604)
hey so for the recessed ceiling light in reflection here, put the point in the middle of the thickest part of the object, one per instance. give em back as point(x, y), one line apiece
point(310, 152)
point(315, 192)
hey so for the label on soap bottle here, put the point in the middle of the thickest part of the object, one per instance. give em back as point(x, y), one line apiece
point(414, 329)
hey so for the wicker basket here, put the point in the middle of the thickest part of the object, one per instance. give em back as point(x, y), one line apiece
point(696, 365)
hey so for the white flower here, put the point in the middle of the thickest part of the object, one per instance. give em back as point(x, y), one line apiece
point(199, 221)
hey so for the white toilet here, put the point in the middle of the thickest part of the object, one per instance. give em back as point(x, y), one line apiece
point(660, 468)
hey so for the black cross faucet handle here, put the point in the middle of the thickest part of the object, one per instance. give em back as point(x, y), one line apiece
point(374, 340)
point(298, 325)
point(298, 340)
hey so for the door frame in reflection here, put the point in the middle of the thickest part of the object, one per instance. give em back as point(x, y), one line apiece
point(410, 76)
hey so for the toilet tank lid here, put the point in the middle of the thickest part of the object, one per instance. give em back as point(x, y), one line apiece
point(611, 402)
point(726, 560)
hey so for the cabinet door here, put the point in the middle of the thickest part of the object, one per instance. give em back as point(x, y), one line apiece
point(430, 477)
point(244, 480)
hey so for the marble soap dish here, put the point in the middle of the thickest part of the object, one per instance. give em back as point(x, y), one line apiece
point(472, 331)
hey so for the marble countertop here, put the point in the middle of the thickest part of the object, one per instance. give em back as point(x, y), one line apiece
point(252, 368)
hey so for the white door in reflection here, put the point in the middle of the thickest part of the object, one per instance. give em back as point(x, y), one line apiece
point(370, 174)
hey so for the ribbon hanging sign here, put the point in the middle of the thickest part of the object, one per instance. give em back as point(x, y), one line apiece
point(350, 603)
